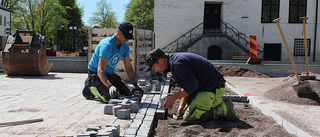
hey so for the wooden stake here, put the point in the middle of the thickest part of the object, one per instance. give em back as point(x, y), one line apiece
point(21, 122)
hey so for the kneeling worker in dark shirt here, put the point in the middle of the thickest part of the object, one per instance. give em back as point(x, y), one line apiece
point(202, 85)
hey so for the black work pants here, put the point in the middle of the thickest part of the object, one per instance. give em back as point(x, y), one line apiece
point(94, 80)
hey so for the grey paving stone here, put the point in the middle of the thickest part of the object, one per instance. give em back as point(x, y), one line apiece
point(117, 126)
point(123, 114)
point(114, 130)
point(126, 101)
point(83, 135)
point(130, 131)
point(125, 106)
point(143, 133)
point(105, 134)
point(142, 82)
point(115, 109)
point(108, 109)
point(93, 125)
point(156, 87)
point(114, 101)
point(134, 107)
point(135, 125)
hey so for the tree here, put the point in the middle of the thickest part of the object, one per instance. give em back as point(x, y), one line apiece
point(46, 17)
point(140, 13)
point(104, 17)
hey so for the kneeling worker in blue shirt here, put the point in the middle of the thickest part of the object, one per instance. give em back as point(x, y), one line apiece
point(102, 81)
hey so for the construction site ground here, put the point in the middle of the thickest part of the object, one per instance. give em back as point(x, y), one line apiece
point(58, 100)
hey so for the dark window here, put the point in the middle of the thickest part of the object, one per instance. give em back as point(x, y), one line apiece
point(270, 10)
point(298, 8)
point(299, 47)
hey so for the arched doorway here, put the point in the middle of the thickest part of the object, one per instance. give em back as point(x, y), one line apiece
point(214, 53)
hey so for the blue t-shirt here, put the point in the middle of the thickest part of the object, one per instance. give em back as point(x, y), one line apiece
point(108, 50)
point(194, 73)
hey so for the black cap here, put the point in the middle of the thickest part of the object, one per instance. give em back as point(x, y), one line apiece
point(127, 30)
point(152, 58)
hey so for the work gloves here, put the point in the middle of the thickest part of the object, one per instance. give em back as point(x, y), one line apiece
point(137, 90)
point(113, 92)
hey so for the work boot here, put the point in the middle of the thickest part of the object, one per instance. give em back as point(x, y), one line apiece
point(87, 93)
point(231, 115)
point(96, 93)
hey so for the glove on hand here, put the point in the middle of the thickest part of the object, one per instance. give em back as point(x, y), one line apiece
point(137, 88)
point(113, 92)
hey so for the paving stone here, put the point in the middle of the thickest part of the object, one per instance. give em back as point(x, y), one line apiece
point(129, 136)
point(135, 99)
point(143, 132)
point(114, 130)
point(83, 135)
point(93, 125)
point(114, 101)
point(93, 129)
point(123, 114)
point(108, 109)
point(149, 86)
point(115, 109)
point(156, 87)
point(105, 134)
point(125, 106)
point(134, 107)
point(130, 131)
point(142, 82)
point(126, 101)
point(145, 89)
point(161, 113)
point(157, 82)
point(135, 125)
point(91, 133)
point(117, 126)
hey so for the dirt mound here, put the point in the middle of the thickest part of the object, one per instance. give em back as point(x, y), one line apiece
point(285, 92)
point(239, 71)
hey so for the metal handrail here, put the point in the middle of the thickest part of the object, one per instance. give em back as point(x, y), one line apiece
point(185, 39)
point(238, 38)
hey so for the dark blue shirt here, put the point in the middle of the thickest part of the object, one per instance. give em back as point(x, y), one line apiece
point(194, 73)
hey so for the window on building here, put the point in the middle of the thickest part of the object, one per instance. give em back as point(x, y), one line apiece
point(0, 19)
point(270, 10)
point(5, 21)
point(299, 47)
point(298, 8)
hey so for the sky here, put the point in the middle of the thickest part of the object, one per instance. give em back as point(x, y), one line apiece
point(89, 7)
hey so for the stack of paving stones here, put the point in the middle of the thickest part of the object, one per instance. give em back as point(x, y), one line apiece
point(149, 110)
point(95, 130)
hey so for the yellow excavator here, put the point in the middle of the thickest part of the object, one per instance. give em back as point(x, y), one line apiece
point(25, 55)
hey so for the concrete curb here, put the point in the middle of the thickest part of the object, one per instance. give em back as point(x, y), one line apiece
point(292, 129)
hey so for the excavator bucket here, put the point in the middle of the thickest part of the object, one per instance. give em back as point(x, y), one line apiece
point(25, 55)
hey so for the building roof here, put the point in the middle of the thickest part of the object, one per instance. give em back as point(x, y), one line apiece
point(6, 9)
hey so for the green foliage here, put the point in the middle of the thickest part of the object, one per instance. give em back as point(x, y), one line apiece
point(104, 17)
point(140, 13)
point(48, 18)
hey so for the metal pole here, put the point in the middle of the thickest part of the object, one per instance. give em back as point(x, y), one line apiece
point(74, 38)
point(315, 33)
point(56, 27)
point(10, 18)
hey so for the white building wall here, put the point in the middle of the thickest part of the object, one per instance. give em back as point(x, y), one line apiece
point(173, 18)
point(4, 25)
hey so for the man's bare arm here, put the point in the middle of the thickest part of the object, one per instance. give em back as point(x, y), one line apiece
point(101, 74)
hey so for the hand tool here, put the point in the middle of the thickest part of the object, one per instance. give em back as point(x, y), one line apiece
point(303, 88)
point(307, 77)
